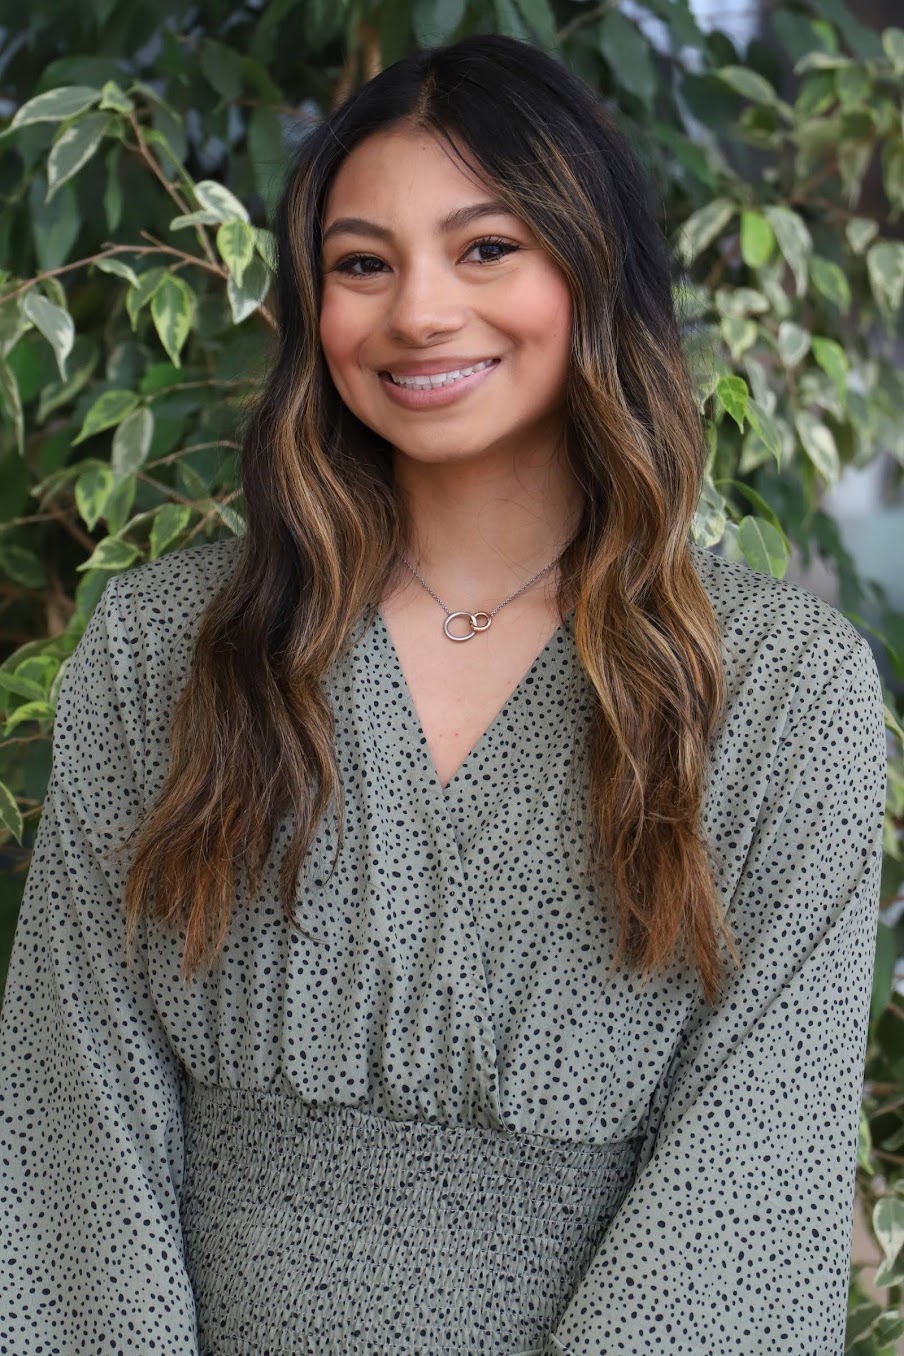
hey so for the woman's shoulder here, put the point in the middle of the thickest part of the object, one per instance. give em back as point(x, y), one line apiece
point(173, 590)
point(148, 616)
point(755, 609)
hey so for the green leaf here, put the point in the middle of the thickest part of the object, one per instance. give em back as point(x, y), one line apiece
point(794, 241)
point(893, 42)
point(55, 324)
point(264, 140)
point(704, 162)
point(172, 145)
point(115, 99)
point(765, 548)
point(831, 282)
point(40, 669)
point(860, 231)
point(107, 411)
point(734, 394)
point(132, 441)
point(173, 308)
point(12, 403)
point(158, 377)
point(22, 565)
point(28, 711)
point(864, 1137)
point(748, 83)
point(55, 224)
point(509, 21)
point(73, 148)
point(10, 814)
point(819, 445)
point(235, 241)
point(739, 333)
point(246, 299)
point(820, 61)
point(741, 301)
point(541, 21)
point(217, 199)
point(853, 85)
point(111, 554)
point(193, 219)
point(169, 522)
point(759, 503)
point(83, 361)
point(118, 269)
point(766, 429)
point(265, 244)
point(231, 517)
point(222, 68)
point(113, 200)
point(628, 55)
point(817, 94)
point(702, 227)
point(757, 239)
point(708, 526)
point(138, 297)
point(22, 687)
point(92, 490)
point(885, 265)
point(119, 505)
point(13, 324)
point(893, 172)
point(853, 161)
point(834, 362)
point(888, 1223)
point(793, 343)
point(434, 21)
point(56, 105)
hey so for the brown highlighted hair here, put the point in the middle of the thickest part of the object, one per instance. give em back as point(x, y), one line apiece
point(252, 734)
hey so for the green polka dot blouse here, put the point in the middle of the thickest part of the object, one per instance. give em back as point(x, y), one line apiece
point(426, 1120)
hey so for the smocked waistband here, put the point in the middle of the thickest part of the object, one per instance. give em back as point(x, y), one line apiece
point(336, 1230)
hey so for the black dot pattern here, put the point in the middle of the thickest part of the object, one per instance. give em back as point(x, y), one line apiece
point(425, 1120)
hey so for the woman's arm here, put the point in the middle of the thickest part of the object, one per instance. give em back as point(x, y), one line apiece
point(90, 1111)
point(735, 1237)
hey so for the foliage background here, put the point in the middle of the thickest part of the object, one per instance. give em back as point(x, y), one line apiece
point(143, 149)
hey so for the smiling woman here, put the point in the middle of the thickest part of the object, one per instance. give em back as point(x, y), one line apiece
point(499, 997)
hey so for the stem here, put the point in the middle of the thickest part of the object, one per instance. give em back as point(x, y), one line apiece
point(212, 267)
point(180, 202)
point(77, 263)
point(195, 447)
point(580, 20)
point(80, 535)
point(211, 513)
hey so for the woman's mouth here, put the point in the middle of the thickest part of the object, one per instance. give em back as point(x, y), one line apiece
point(440, 388)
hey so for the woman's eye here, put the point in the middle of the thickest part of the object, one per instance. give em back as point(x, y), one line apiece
point(488, 242)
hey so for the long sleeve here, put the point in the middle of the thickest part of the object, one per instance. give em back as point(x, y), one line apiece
point(735, 1236)
point(91, 1138)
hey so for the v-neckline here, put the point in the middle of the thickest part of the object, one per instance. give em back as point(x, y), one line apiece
point(446, 792)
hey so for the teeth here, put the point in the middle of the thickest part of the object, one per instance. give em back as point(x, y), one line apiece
point(440, 378)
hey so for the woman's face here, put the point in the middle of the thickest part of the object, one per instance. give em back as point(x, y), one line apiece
point(427, 296)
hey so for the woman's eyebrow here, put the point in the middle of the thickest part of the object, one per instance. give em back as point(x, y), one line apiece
point(452, 221)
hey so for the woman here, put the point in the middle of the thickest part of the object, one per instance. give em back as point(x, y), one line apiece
point(446, 785)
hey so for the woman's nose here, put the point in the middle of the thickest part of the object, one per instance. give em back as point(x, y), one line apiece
point(425, 300)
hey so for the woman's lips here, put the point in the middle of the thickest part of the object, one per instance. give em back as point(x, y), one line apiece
point(419, 398)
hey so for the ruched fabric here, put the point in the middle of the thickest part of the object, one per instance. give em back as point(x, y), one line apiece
point(329, 1231)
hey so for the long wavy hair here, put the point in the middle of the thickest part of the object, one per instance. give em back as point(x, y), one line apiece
point(252, 732)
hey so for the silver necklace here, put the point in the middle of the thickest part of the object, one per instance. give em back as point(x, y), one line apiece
point(473, 616)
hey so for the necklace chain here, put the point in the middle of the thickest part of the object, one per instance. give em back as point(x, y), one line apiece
point(473, 616)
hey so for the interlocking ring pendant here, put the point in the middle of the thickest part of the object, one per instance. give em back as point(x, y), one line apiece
point(475, 627)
